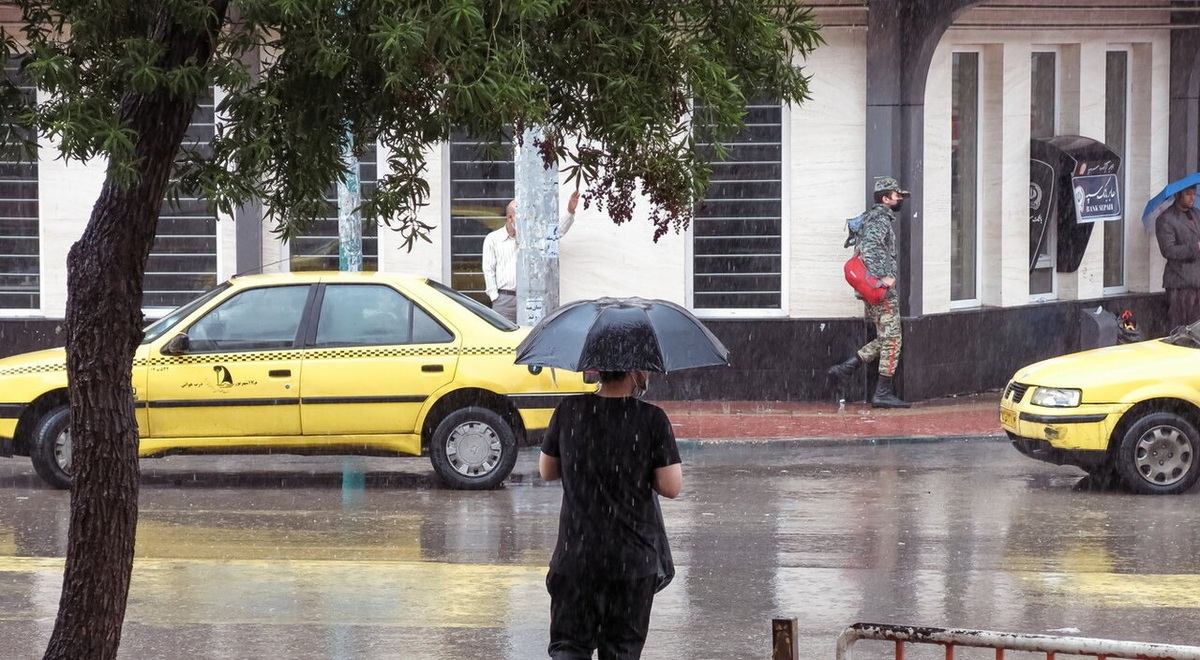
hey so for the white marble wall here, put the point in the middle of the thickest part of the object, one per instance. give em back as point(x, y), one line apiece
point(425, 258)
point(826, 172)
point(1152, 122)
point(67, 191)
point(935, 268)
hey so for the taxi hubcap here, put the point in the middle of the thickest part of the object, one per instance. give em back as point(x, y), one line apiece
point(473, 449)
point(1163, 455)
point(62, 449)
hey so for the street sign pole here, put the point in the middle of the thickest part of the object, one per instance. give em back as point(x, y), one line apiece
point(537, 230)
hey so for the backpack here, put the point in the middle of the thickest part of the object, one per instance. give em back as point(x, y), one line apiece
point(852, 227)
point(867, 286)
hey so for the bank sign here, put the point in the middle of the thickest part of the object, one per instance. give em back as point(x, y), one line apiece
point(1097, 198)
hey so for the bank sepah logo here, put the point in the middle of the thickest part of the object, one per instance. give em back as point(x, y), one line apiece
point(1035, 197)
point(1097, 197)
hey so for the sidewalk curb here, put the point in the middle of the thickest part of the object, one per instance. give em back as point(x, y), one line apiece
point(796, 443)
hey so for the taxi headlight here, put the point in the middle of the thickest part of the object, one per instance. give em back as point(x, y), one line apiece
point(1056, 397)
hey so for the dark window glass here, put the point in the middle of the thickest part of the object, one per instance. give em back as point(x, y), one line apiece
point(1116, 113)
point(481, 186)
point(183, 260)
point(20, 270)
point(239, 324)
point(317, 247)
point(964, 177)
point(737, 241)
point(1043, 111)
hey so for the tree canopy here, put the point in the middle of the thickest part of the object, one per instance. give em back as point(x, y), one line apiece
point(611, 81)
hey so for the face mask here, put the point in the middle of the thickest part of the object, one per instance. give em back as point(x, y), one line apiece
point(640, 382)
point(898, 205)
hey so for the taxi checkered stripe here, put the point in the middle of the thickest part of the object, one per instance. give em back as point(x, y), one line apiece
point(223, 358)
point(375, 351)
point(487, 350)
point(35, 368)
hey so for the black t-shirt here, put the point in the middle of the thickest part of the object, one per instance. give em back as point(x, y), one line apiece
point(608, 449)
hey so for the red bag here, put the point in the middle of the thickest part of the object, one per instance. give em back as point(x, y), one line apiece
point(867, 285)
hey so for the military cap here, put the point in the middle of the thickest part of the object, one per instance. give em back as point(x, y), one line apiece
point(887, 183)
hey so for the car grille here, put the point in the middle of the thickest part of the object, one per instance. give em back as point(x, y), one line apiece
point(1015, 392)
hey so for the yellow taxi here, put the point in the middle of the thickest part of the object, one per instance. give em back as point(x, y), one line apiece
point(312, 363)
point(1131, 411)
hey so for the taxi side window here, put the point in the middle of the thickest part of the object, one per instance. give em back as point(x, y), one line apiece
point(239, 324)
point(373, 315)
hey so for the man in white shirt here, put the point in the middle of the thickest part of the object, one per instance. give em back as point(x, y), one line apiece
point(500, 258)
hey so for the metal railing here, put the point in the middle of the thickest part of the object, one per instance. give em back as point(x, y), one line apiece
point(1050, 645)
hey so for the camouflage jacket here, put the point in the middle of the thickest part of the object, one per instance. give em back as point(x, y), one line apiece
point(877, 242)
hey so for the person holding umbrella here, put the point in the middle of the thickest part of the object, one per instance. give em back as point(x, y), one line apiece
point(1178, 231)
point(615, 455)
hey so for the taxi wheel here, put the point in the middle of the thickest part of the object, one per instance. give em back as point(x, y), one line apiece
point(1157, 454)
point(473, 449)
point(51, 450)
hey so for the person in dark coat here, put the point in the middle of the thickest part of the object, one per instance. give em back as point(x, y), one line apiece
point(1178, 232)
point(614, 453)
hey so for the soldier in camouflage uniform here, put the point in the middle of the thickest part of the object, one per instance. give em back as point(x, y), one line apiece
point(876, 243)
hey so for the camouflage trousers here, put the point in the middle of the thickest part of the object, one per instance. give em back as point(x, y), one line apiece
point(886, 345)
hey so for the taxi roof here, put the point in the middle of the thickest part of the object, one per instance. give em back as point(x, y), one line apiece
point(325, 276)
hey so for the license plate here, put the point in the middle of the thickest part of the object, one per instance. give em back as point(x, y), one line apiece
point(1008, 418)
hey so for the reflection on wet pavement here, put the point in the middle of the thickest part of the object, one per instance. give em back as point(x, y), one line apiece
point(287, 557)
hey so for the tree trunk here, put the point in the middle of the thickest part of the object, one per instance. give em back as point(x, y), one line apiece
point(104, 327)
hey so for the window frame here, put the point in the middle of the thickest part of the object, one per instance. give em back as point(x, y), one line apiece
point(370, 227)
point(1052, 245)
point(1123, 287)
point(210, 216)
point(785, 219)
point(450, 255)
point(35, 292)
point(974, 301)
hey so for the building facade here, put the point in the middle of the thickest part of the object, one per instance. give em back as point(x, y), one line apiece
point(990, 112)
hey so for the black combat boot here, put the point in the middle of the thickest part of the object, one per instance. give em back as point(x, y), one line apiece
point(883, 395)
point(839, 376)
point(842, 371)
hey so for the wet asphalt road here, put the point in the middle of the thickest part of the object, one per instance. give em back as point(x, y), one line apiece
point(324, 558)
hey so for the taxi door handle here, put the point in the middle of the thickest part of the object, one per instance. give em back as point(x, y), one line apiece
point(279, 373)
point(432, 368)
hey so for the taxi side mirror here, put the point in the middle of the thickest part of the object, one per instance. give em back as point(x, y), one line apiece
point(178, 345)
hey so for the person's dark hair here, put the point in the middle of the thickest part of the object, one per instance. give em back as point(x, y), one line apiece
point(612, 376)
point(879, 195)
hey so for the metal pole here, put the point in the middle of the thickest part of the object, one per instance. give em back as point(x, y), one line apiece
point(350, 257)
point(784, 642)
point(537, 231)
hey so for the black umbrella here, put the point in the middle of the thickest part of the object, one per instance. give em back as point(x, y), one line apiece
point(621, 334)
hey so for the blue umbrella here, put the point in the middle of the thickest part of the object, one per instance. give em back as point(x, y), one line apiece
point(1164, 199)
